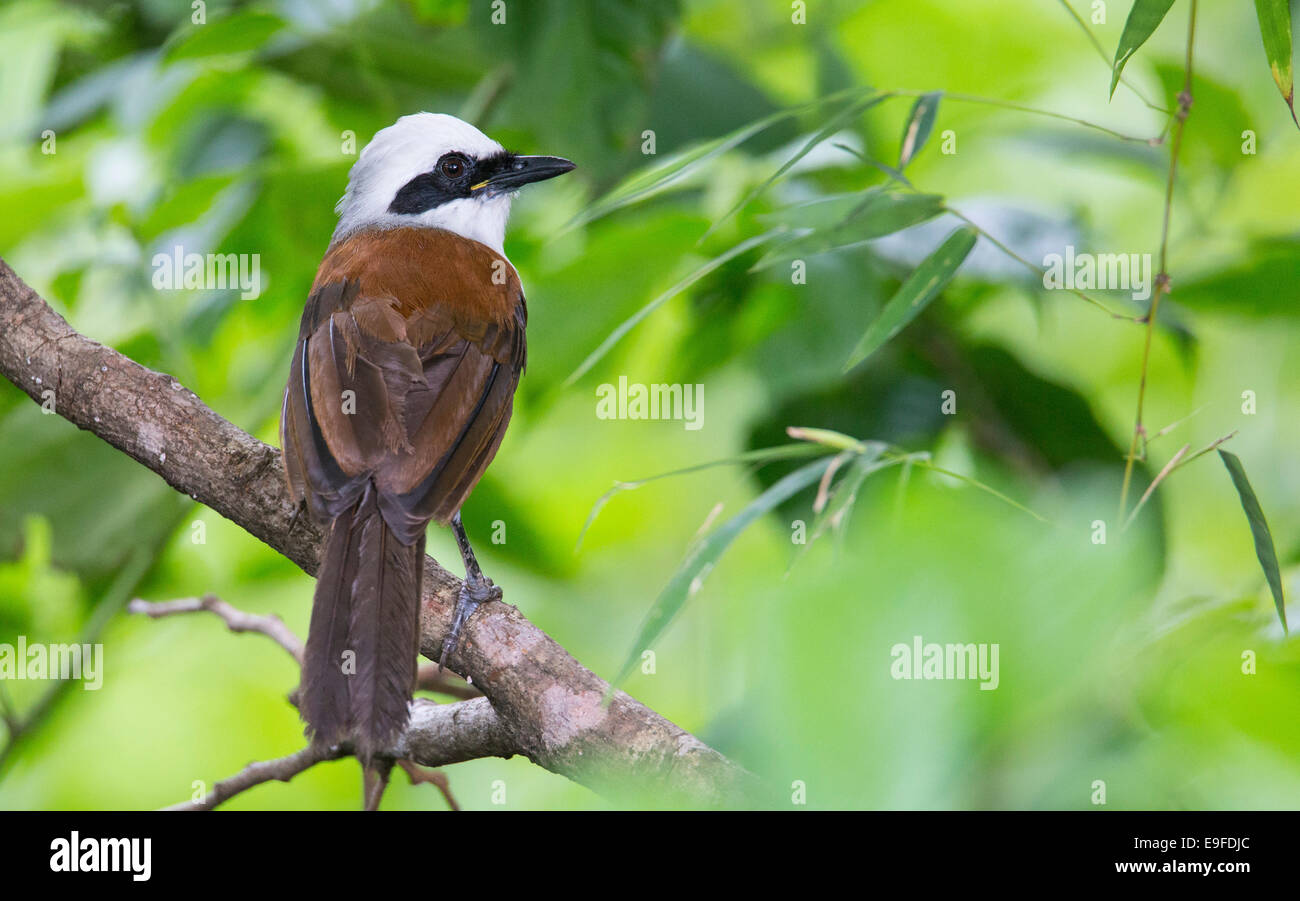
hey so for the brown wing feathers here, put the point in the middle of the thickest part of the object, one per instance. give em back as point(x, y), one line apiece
point(400, 391)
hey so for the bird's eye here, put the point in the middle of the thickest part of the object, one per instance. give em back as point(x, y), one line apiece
point(452, 166)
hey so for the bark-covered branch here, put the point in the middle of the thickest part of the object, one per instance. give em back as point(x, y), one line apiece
point(547, 703)
point(437, 735)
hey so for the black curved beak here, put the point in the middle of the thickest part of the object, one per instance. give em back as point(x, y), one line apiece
point(517, 171)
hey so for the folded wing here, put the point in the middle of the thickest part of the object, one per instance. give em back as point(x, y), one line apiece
point(409, 354)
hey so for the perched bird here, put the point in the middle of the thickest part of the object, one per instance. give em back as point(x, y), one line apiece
point(400, 390)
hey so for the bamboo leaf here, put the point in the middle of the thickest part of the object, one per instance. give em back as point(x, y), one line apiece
point(763, 455)
point(705, 555)
point(1264, 549)
point(839, 504)
point(921, 287)
point(242, 32)
point(662, 175)
point(1143, 19)
point(919, 125)
point(877, 212)
point(822, 214)
point(1275, 27)
point(922, 462)
point(837, 123)
point(635, 319)
point(826, 437)
point(887, 212)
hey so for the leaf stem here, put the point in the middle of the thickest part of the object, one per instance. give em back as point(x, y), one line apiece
point(1162, 279)
point(1037, 111)
point(1101, 51)
point(1037, 270)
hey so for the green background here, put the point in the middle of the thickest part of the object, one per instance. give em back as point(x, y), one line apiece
point(1119, 662)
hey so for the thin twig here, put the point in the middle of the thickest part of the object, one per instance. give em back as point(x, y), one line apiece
point(1213, 445)
point(375, 778)
point(430, 679)
point(236, 620)
point(1176, 423)
point(1160, 477)
point(1178, 462)
point(1162, 280)
point(1036, 111)
point(438, 779)
point(281, 769)
point(1036, 269)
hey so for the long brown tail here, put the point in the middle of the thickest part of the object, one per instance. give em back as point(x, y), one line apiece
point(362, 650)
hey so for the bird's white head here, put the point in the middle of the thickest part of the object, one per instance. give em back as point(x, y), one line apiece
point(431, 170)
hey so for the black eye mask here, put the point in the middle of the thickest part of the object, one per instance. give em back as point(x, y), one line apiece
point(434, 188)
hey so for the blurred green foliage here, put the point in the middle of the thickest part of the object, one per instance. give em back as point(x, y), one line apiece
point(128, 129)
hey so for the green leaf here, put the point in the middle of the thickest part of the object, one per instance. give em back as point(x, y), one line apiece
point(1258, 283)
point(887, 212)
point(804, 448)
point(919, 125)
point(877, 212)
point(1143, 19)
point(924, 463)
point(839, 504)
point(1259, 528)
point(821, 214)
point(659, 176)
point(1275, 28)
point(702, 558)
point(827, 437)
point(873, 213)
point(635, 319)
point(655, 179)
point(837, 123)
point(921, 287)
point(243, 32)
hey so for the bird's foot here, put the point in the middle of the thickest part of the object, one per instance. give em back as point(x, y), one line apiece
point(473, 593)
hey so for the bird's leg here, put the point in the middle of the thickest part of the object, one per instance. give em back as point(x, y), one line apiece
point(477, 589)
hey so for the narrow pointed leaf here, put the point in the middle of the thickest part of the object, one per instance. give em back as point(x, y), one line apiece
point(242, 32)
point(821, 214)
point(1275, 28)
point(706, 554)
point(1143, 20)
point(924, 463)
point(921, 287)
point(892, 211)
point(635, 319)
point(845, 494)
point(661, 175)
point(652, 180)
point(1264, 549)
point(826, 437)
point(919, 125)
point(837, 123)
point(878, 212)
point(803, 448)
